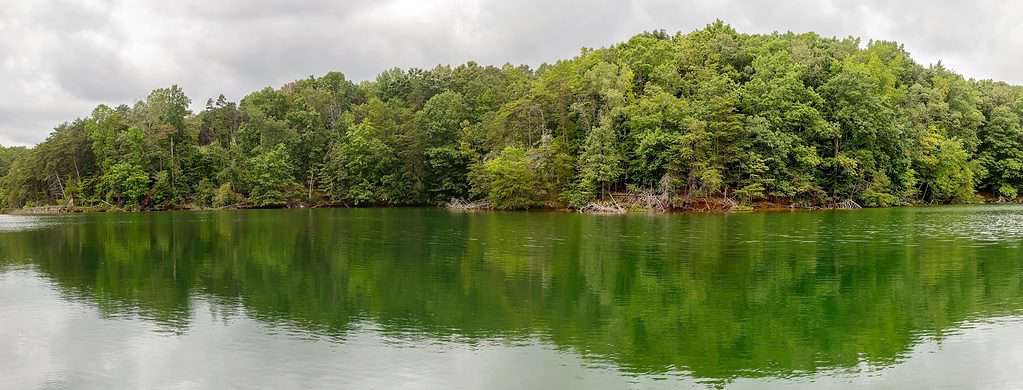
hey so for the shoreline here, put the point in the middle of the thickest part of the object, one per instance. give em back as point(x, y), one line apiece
point(761, 207)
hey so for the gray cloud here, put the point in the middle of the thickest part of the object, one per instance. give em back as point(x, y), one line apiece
point(60, 58)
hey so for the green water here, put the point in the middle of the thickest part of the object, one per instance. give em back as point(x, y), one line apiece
point(423, 298)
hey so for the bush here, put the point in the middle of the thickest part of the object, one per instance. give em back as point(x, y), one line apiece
point(205, 193)
point(750, 192)
point(1008, 191)
point(163, 191)
point(272, 181)
point(125, 183)
point(510, 182)
point(226, 196)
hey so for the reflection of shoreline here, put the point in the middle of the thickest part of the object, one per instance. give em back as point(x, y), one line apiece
point(968, 357)
point(717, 297)
point(249, 351)
point(353, 360)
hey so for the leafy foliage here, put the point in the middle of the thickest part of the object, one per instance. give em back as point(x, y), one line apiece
point(794, 118)
point(271, 180)
point(510, 180)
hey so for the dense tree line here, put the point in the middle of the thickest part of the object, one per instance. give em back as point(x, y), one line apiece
point(793, 118)
point(7, 156)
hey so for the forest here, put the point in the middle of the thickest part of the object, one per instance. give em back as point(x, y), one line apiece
point(794, 119)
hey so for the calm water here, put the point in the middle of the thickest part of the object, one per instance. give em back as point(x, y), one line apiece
point(427, 299)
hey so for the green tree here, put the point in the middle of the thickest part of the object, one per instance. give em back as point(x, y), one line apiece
point(272, 183)
point(509, 180)
point(363, 170)
point(125, 184)
point(1001, 152)
point(600, 162)
point(946, 172)
point(438, 125)
point(713, 113)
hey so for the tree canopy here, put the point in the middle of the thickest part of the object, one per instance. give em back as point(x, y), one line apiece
point(783, 117)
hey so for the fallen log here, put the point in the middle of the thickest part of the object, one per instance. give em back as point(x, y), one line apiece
point(467, 205)
point(596, 208)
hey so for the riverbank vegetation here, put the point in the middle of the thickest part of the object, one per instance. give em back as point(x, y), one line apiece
point(712, 117)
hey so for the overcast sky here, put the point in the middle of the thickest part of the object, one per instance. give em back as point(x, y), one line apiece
point(60, 58)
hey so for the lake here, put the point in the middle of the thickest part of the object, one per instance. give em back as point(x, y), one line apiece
point(430, 299)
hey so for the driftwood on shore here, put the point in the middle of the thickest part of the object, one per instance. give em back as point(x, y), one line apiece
point(646, 200)
point(467, 205)
point(597, 208)
point(848, 204)
point(605, 207)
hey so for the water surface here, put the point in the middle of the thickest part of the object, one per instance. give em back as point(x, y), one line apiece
point(427, 299)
